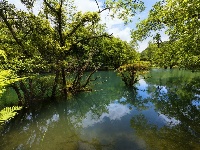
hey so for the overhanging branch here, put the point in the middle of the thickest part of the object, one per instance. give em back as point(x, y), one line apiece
point(12, 32)
point(87, 39)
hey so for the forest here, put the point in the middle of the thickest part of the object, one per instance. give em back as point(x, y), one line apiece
point(55, 53)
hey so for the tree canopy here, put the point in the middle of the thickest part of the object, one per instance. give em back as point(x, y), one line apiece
point(62, 41)
point(181, 22)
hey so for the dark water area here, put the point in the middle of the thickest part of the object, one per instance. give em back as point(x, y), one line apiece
point(162, 114)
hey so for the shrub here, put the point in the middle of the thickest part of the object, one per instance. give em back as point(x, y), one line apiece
point(130, 72)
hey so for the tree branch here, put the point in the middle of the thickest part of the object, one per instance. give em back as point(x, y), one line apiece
point(88, 78)
point(107, 8)
point(74, 30)
point(59, 13)
point(13, 32)
point(50, 7)
point(97, 5)
point(89, 38)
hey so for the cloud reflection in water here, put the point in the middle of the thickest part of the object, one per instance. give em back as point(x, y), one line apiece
point(115, 112)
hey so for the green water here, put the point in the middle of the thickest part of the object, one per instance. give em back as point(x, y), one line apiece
point(162, 114)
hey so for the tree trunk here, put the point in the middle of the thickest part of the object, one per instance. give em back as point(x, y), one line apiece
point(53, 94)
point(25, 91)
point(30, 82)
point(64, 82)
point(19, 94)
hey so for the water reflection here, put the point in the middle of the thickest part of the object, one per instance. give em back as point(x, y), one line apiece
point(115, 112)
point(163, 113)
point(168, 137)
point(175, 99)
point(169, 121)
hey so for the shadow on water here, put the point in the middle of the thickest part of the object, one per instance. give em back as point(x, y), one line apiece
point(163, 113)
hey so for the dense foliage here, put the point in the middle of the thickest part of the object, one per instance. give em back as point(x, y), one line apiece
point(8, 113)
point(166, 55)
point(116, 52)
point(62, 44)
point(54, 48)
point(181, 21)
point(130, 72)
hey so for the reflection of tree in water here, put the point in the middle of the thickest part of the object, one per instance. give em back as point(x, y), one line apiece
point(165, 138)
point(59, 125)
point(95, 144)
point(133, 99)
point(178, 101)
point(44, 129)
point(181, 102)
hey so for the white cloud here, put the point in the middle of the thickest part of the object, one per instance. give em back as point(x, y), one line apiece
point(171, 121)
point(164, 37)
point(115, 112)
point(20, 6)
point(123, 34)
point(144, 44)
point(86, 5)
point(105, 18)
point(114, 25)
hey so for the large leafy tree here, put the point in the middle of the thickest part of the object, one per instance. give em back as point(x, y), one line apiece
point(181, 20)
point(115, 52)
point(59, 39)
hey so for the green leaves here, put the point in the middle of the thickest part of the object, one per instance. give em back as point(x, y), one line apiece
point(130, 72)
point(7, 77)
point(61, 40)
point(114, 52)
point(180, 20)
point(8, 113)
point(124, 9)
point(3, 57)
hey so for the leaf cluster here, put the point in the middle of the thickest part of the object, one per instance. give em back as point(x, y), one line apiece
point(8, 113)
point(130, 72)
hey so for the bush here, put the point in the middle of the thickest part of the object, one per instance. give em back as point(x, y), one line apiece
point(131, 72)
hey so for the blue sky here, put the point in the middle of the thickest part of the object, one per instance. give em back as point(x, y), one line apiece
point(114, 26)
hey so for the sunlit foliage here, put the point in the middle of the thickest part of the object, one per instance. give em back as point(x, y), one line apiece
point(181, 22)
point(130, 72)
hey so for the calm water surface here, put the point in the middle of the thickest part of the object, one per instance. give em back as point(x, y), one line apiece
point(162, 114)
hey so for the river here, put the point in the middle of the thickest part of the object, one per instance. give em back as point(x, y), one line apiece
point(162, 114)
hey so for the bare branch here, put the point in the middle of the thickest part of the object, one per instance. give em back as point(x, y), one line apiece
point(89, 78)
point(107, 8)
point(97, 5)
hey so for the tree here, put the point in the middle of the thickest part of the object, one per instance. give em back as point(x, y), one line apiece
point(130, 73)
point(115, 52)
point(149, 54)
point(180, 19)
point(58, 40)
point(166, 55)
